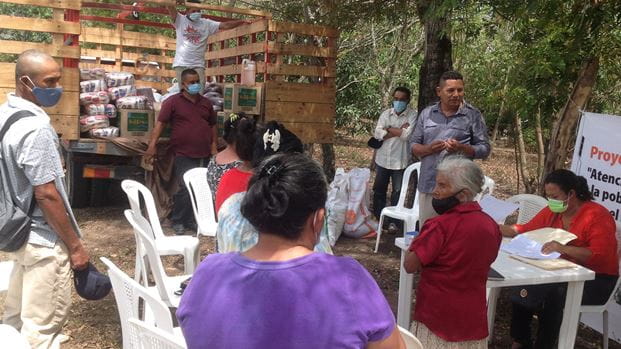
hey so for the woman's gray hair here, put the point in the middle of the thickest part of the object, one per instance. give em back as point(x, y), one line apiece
point(463, 173)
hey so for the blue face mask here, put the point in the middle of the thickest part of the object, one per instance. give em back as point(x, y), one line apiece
point(195, 16)
point(399, 106)
point(194, 89)
point(46, 97)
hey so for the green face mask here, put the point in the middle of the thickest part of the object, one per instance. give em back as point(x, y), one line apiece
point(557, 206)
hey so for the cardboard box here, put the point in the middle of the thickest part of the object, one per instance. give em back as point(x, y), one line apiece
point(136, 123)
point(242, 98)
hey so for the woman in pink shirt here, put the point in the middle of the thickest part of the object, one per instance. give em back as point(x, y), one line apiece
point(453, 253)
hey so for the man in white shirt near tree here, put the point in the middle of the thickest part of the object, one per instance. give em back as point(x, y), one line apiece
point(192, 32)
point(393, 128)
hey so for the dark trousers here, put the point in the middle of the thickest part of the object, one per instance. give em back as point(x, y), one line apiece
point(550, 315)
point(382, 177)
point(182, 206)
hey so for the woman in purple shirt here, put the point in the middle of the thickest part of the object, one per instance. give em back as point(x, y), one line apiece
point(279, 293)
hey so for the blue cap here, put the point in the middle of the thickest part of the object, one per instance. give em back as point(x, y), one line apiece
point(90, 284)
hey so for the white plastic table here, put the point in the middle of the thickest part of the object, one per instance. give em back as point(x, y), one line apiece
point(516, 273)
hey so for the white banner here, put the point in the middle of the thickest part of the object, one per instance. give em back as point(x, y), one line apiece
point(597, 157)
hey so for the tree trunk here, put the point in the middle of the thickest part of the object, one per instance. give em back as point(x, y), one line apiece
point(521, 152)
point(327, 151)
point(501, 111)
point(438, 52)
point(563, 131)
point(541, 152)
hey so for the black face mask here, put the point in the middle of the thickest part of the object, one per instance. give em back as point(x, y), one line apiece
point(443, 205)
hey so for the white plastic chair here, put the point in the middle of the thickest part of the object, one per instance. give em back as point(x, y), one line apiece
point(188, 246)
point(128, 294)
point(602, 309)
point(5, 275)
point(150, 337)
point(530, 205)
point(166, 285)
point(488, 188)
point(11, 338)
point(202, 201)
point(409, 216)
point(411, 342)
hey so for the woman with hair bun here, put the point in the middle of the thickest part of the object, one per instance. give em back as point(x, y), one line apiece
point(279, 293)
point(570, 207)
point(227, 158)
point(244, 132)
point(234, 231)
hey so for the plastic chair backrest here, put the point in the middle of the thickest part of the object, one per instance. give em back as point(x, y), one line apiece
point(487, 188)
point(202, 201)
point(405, 183)
point(411, 342)
point(134, 190)
point(128, 294)
point(5, 275)
point(150, 337)
point(530, 205)
point(143, 233)
point(11, 338)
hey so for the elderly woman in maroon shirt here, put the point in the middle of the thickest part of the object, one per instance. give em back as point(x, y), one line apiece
point(454, 252)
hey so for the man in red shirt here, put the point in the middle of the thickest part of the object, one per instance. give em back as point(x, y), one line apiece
point(193, 140)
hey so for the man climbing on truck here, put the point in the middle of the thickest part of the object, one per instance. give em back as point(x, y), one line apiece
point(192, 31)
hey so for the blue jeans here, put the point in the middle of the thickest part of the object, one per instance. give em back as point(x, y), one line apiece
point(382, 177)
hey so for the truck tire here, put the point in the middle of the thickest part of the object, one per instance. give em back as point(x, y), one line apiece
point(78, 188)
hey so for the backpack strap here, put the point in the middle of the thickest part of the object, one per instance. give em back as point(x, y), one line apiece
point(7, 125)
point(12, 119)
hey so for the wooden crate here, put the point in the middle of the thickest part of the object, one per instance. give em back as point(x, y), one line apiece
point(296, 63)
point(64, 115)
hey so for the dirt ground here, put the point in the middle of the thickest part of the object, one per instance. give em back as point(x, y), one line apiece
point(96, 324)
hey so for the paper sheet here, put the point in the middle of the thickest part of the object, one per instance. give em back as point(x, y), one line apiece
point(498, 209)
point(544, 235)
point(522, 245)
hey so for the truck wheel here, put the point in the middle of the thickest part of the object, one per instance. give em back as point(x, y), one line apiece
point(78, 188)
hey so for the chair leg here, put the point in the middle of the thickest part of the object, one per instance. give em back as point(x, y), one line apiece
point(190, 259)
point(379, 232)
point(605, 328)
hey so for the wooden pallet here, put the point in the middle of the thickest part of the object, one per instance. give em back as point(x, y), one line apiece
point(65, 114)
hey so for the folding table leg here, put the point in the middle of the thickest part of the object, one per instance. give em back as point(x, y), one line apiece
point(571, 315)
point(404, 305)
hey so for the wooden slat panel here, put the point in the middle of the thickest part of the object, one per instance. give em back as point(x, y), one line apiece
point(64, 115)
point(294, 92)
point(306, 29)
point(161, 86)
point(70, 80)
point(148, 38)
point(232, 69)
point(66, 126)
point(112, 37)
point(311, 132)
point(62, 4)
point(255, 27)
point(300, 112)
point(100, 36)
point(301, 50)
point(17, 47)
point(227, 9)
point(248, 49)
point(303, 70)
point(151, 72)
point(126, 55)
point(39, 25)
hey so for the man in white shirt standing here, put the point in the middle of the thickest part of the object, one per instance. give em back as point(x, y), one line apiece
point(192, 31)
point(393, 127)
